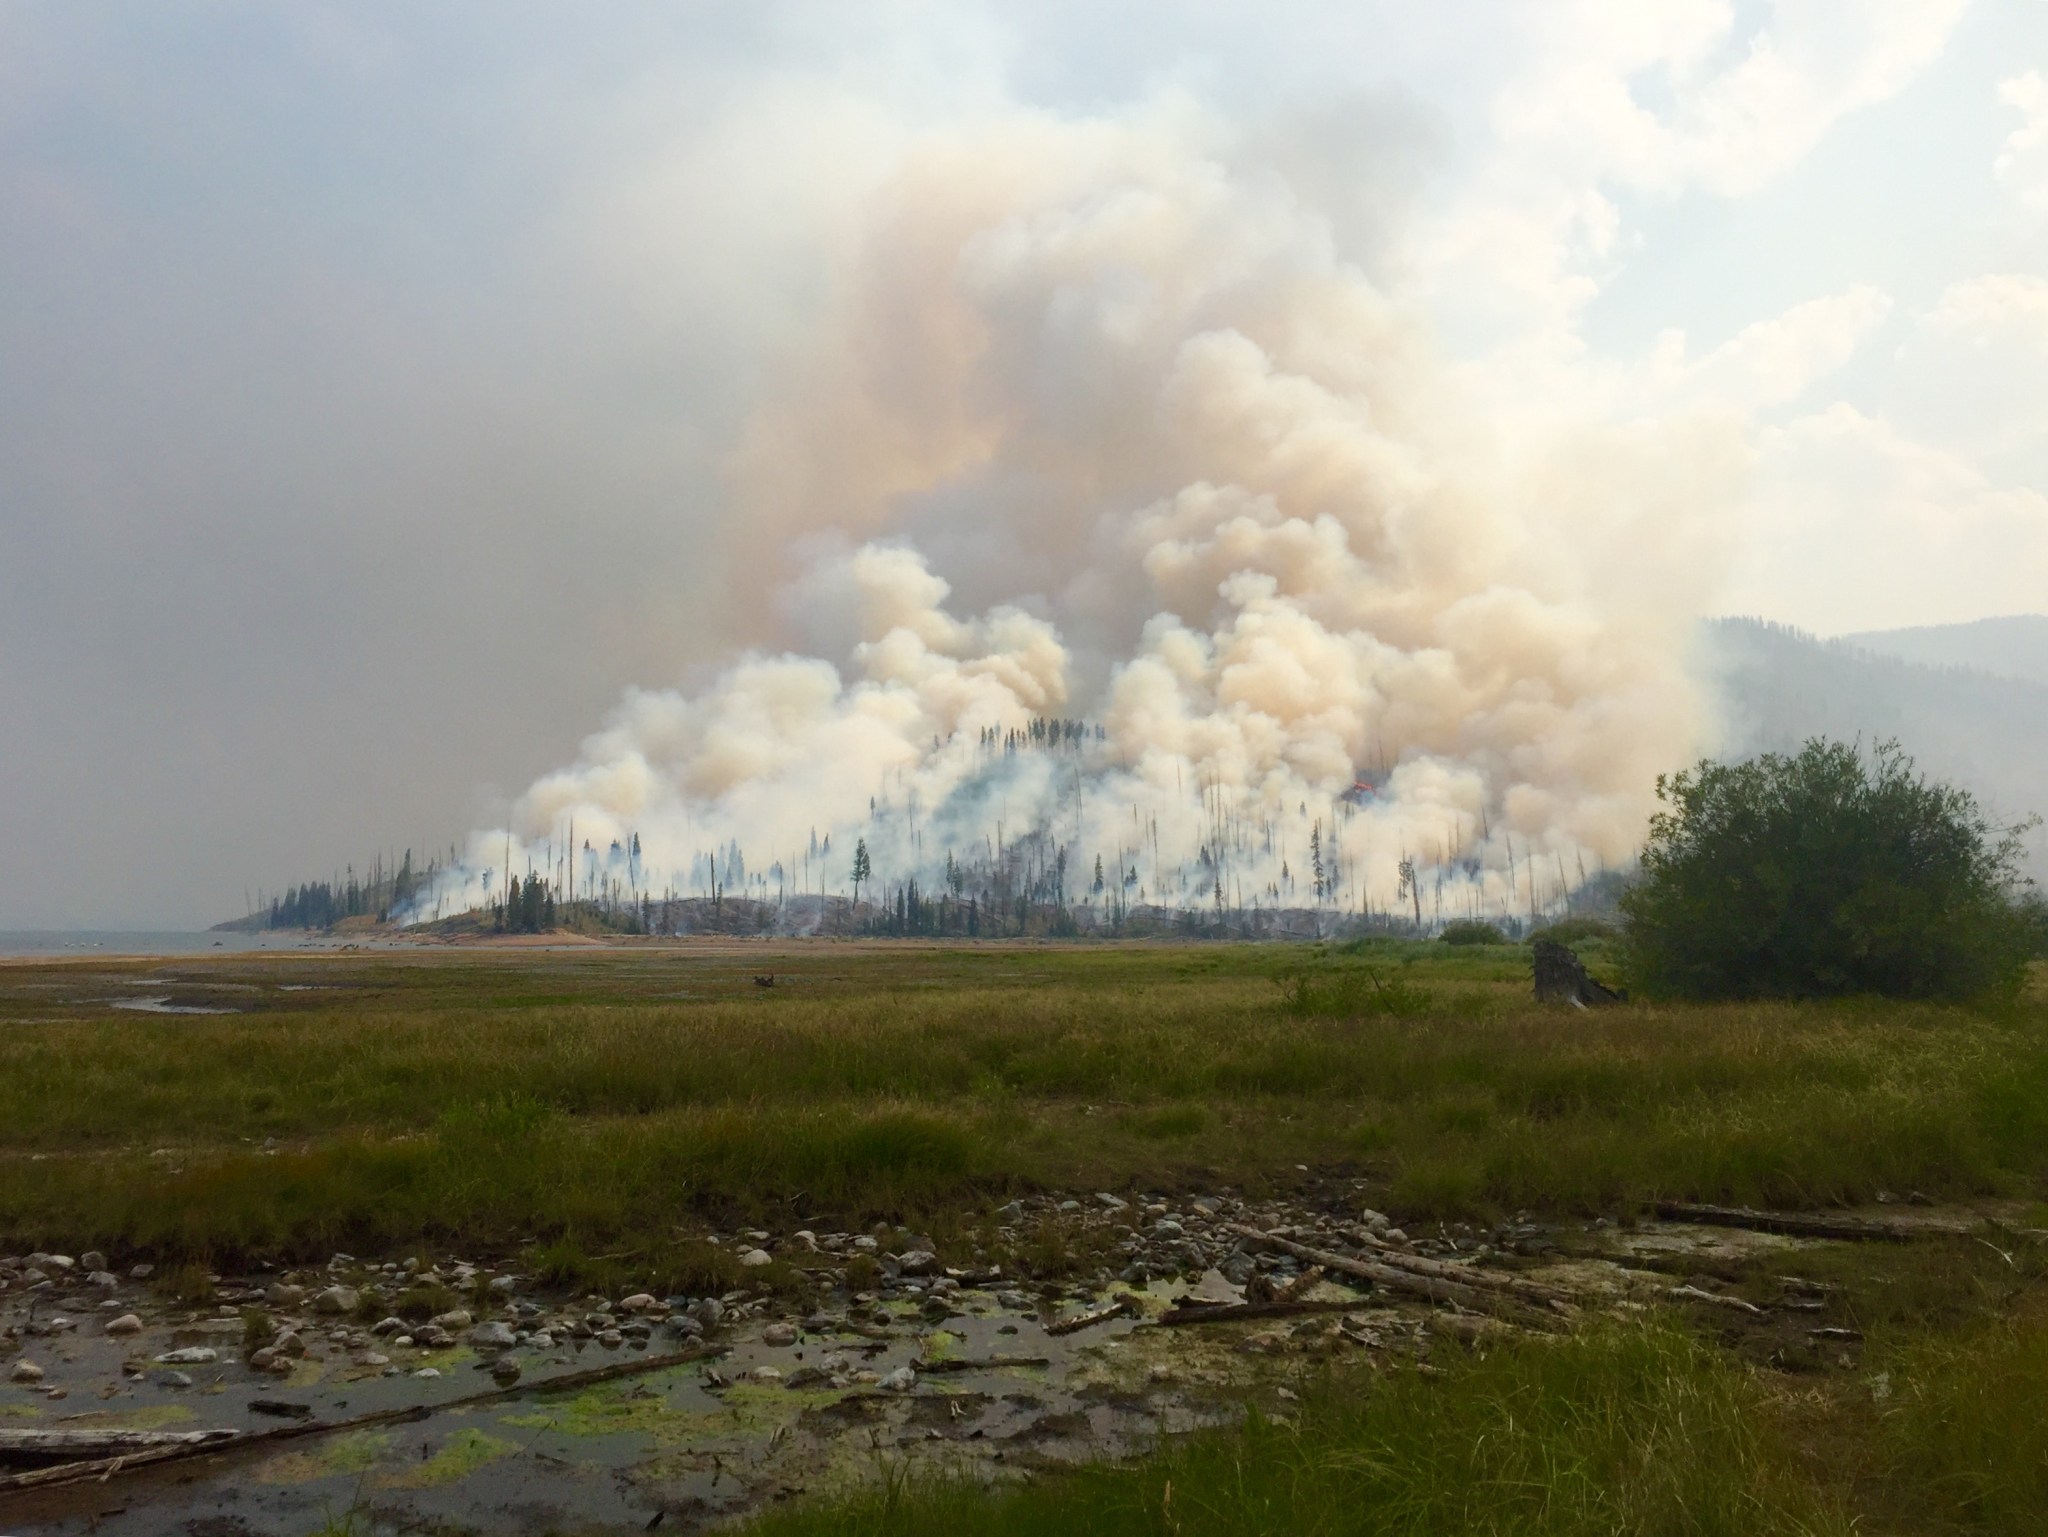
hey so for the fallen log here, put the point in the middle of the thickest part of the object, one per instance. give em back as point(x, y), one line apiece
point(1804, 1225)
point(35, 1447)
point(1432, 1288)
point(1089, 1317)
point(1700, 1294)
point(104, 1468)
point(1469, 1275)
point(1225, 1312)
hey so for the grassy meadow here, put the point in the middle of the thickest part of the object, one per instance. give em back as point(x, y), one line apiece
point(592, 1110)
point(489, 1099)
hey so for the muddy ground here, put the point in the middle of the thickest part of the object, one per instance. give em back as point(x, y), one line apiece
point(925, 1365)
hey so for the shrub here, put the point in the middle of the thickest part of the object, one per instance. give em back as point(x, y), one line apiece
point(1820, 874)
point(1348, 993)
point(1468, 931)
point(2034, 920)
point(1572, 932)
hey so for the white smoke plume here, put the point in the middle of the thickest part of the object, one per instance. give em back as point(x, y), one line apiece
point(1101, 427)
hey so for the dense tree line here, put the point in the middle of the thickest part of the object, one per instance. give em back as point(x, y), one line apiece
point(323, 904)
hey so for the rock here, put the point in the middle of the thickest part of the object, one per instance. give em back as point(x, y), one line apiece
point(919, 1262)
point(686, 1326)
point(754, 1259)
point(765, 1374)
point(1394, 1235)
point(864, 1244)
point(288, 1343)
point(1166, 1227)
point(806, 1240)
point(454, 1318)
point(263, 1359)
point(901, 1380)
point(504, 1285)
point(1013, 1213)
point(708, 1311)
point(375, 1358)
point(389, 1326)
point(779, 1334)
point(105, 1280)
point(1375, 1221)
point(505, 1370)
point(141, 1272)
point(25, 1372)
point(127, 1323)
point(611, 1339)
point(1215, 1287)
point(639, 1302)
point(1111, 1202)
point(542, 1340)
point(92, 1259)
point(337, 1299)
point(190, 1355)
point(432, 1337)
point(1070, 1206)
point(427, 1373)
point(176, 1380)
point(280, 1294)
point(492, 1336)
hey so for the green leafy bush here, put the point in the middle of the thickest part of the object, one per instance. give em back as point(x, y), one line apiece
point(1468, 931)
point(1348, 993)
point(1820, 874)
point(1572, 932)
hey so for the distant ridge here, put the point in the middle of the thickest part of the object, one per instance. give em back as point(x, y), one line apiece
point(2015, 646)
point(1983, 730)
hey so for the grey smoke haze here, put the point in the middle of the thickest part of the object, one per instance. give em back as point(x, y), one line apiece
point(370, 376)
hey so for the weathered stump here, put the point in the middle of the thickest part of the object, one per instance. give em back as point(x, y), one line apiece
point(1561, 977)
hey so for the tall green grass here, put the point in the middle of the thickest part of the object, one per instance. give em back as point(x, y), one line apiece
point(404, 1109)
point(1624, 1430)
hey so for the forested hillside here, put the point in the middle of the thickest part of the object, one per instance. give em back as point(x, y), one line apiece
point(1779, 686)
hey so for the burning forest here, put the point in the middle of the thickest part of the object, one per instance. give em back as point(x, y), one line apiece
point(1118, 554)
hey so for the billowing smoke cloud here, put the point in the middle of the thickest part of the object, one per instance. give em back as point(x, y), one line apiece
point(1102, 429)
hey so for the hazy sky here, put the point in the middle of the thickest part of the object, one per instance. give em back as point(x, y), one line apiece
point(369, 373)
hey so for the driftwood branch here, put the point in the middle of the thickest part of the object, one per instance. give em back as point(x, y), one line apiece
point(1089, 1317)
point(1226, 1312)
point(41, 1446)
point(103, 1468)
point(1521, 1286)
point(1415, 1283)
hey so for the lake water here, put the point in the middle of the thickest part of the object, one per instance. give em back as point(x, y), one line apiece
point(60, 942)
